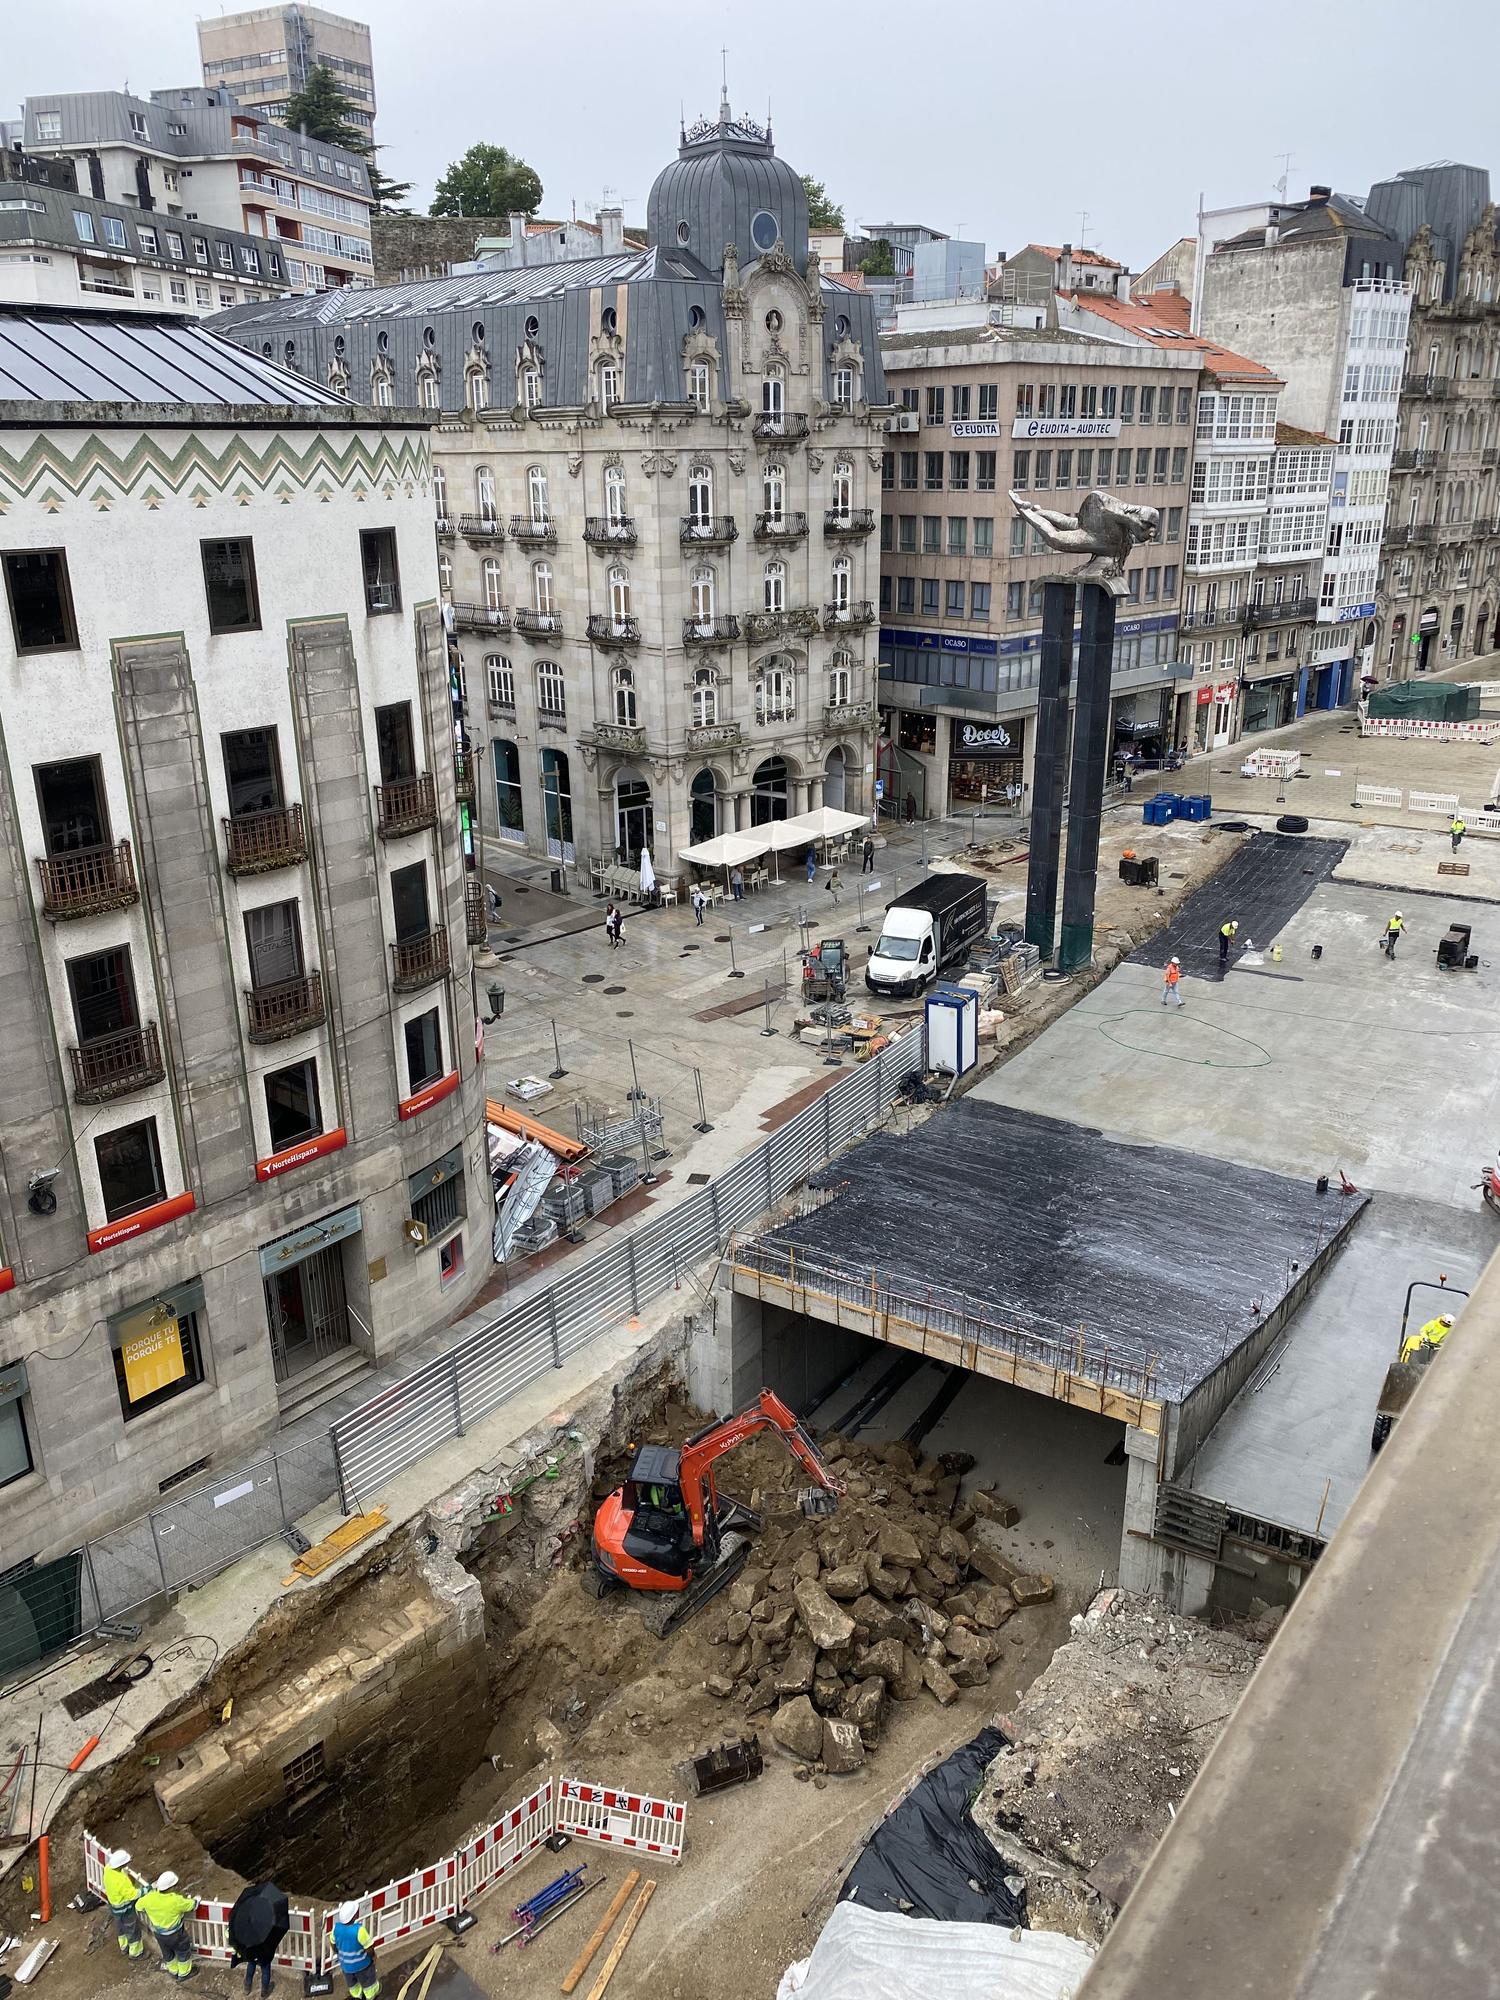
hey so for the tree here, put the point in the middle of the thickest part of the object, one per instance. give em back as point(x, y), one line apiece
point(386, 196)
point(323, 110)
point(488, 180)
point(881, 262)
point(821, 212)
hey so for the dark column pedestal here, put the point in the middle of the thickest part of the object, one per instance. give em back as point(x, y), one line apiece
point(1049, 760)
point(1086, 791)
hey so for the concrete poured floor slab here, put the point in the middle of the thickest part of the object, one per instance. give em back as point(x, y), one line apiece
point(1049, 1229)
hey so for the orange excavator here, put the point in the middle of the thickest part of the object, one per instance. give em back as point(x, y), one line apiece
point(668, 1531)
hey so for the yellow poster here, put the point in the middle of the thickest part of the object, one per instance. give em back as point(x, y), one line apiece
point(153, 1359)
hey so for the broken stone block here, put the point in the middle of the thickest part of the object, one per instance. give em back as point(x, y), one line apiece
point(795, 1674)
point(963, 1644)
point(843, 1747)
point(827, 1696)
point(736, 1662)
point(1004, 1513)
point(944, 1571)
point(864, 1705)
point(806, 1566)
point(798, 1728)
point(908, 1683)
point(720, 1685)
point(747, 1590)
point(939, 1683)
point(778, 1622)
point(736, 1625)
point(882, 1621)
point(960, 1605)
point(928, 1615)
point(898, 1546)
point(888, 1583)
point(884, 1661)
point(845, 1583)
point(825, 1623)
point(946, 1493)
point(991, 1565)
point(1031, 1589)
point(924, 1483)
point(762, 1696)
point(969, 1673)
point(962, 1518)
point(992, 1606)
point(953, 1546)
point(760, 1650)
point(781, 1579)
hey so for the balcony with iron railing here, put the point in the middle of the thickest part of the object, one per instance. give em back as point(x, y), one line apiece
point(800, 623)
point(110, 1066)
point(780, 527)
point(481, 528)
point(463, 776)
point(287, 1007)
point(447, 527)
point(381, 597)
point(419, 962)
point(848, 521)
point(1290, 611)
point(1406, 532)
point(719, 631)
point(610, 531)
point(405, 805)
point(1413, 460)
point(1206, 620)
point(257, 842)
point(87, 881)
point(708, 531)
point(476, 912)
point(789, 428)
point(853, 616)
point(532, 529)
point(1489, 456)
point(606, 630)
point(481, 618)
point(537, 624)
point(1427, 385)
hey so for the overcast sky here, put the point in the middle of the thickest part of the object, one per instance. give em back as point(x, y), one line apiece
point(1002, 123)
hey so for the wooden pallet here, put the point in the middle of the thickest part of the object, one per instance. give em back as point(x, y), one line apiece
point(1453, 868)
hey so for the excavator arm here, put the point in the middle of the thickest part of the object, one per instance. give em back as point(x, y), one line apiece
point(701, 1453)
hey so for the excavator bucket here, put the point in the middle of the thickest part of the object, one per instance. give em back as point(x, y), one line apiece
point(815, 1501)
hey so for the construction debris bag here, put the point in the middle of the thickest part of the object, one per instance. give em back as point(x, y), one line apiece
point(877, 1955)
point(927, 1858)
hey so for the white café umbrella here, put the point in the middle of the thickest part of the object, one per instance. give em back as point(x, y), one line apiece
point(648, 874)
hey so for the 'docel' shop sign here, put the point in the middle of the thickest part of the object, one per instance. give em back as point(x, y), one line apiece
point(976, 739)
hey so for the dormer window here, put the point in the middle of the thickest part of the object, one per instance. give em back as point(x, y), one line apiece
point(609, 388)
point(699, 385)
point(841, 388)
point(531, 388)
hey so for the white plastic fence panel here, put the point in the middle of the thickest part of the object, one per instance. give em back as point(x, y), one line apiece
point(208, 1932)
point(95, 1854)
point(1484, 823)
point(299, 1948)
point(503, 1845)
point(616, 1818)
point(410, 1904)
point(1378, 795)
point(1445, 803)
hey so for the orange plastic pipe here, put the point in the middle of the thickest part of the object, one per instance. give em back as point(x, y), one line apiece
point(91, 1745)
point(46, 1879)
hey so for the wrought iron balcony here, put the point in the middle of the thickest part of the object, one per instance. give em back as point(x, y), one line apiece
point(257, 842)
point(109, 1066)
point(710, 631)
point(286, 1008)
point(382, 597)
point(86, 881)
point(481, 528)
point(713, 735)
point(1411, 531)
point(708, 531)
point(627, 736)
point(463, 775)
point(447, 527)
point(781, 527)
point(419, 962)
point(476, 911)
point(406, 805)
point(537, 624)
point(605, 630)
point(847, 714)
point(1205, 621)
point(858, 612)
point(608, 532)
point(1290, 611)
point(1428, 385)
point(850, 521)
point(1489, 456)
point(1414, 461)
point(801, 623)
point(789, 428)
point(531, 530)
point(481, 617)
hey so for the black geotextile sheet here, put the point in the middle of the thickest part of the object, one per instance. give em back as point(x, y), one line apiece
point(929, 1859)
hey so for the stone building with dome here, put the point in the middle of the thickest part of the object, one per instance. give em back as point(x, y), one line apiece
point(653, 490)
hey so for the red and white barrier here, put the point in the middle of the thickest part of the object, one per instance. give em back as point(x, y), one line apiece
point(495, 1850)
point(1439, 732)
point(208, 1927)
point(95, 1855)
point(621, 1819)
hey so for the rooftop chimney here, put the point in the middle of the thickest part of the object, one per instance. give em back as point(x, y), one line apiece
point(1319, 194)
point(611, 230)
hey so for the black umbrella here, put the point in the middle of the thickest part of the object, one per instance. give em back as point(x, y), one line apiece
point(259, 1920)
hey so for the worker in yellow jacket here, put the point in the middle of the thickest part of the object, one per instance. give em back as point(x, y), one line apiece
point(167, 1910)
point(1432, 1335)
point(123, 1892)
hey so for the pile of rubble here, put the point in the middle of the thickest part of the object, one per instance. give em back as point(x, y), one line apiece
point(896, 1595)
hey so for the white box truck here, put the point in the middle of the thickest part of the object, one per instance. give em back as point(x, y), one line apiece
point(926, 931)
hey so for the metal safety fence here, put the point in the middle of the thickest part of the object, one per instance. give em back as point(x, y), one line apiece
point(439, 1401)
point(605, 1814)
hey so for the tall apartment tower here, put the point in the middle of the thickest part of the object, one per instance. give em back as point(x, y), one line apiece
point(266, 53)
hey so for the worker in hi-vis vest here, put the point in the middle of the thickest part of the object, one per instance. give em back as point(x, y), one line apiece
point(1432, 1335)
point(1228, 931)
point(122, 1892)
point(355, 1948)
point(167, 1912)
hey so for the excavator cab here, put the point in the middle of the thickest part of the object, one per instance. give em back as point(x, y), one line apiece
point(658, 1532)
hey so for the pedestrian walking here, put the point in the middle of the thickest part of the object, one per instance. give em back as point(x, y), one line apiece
point(698, 900)
point(1129, 775)
point(258, 1922)
point(867, 857)
point(911, 808)
point(1456, 831)
point(1171, 982)
point(833, 885)
point(355, 1947)
point(737, 885)
point(611, 926)
point(123, 1892)
point(1395, 925)
point(812, 863)
point(167, 1910)
point(1228, 931)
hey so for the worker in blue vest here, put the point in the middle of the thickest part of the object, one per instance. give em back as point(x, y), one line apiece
point(122, 1892)
point(166, 1910)
point(355, 1947)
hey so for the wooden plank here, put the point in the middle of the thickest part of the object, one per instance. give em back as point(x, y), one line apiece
point(415, 1986)
point(585, 1958)
point(323, 1555)
point(617, 1949)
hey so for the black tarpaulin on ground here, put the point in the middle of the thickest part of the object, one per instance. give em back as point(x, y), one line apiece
point(1262, 887)
point(929, 1859)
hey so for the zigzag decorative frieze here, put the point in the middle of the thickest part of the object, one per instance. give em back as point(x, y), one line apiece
point(242, 464)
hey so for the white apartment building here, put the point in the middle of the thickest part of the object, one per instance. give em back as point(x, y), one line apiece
point(239, 1025)
point(197, 155)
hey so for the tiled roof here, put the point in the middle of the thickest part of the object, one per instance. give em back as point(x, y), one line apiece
point(851, 281)
point(1054, 251)
point(1163, 320)
point(1289, 434)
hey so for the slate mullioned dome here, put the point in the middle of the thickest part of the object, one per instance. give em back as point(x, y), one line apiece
point(727, 186)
